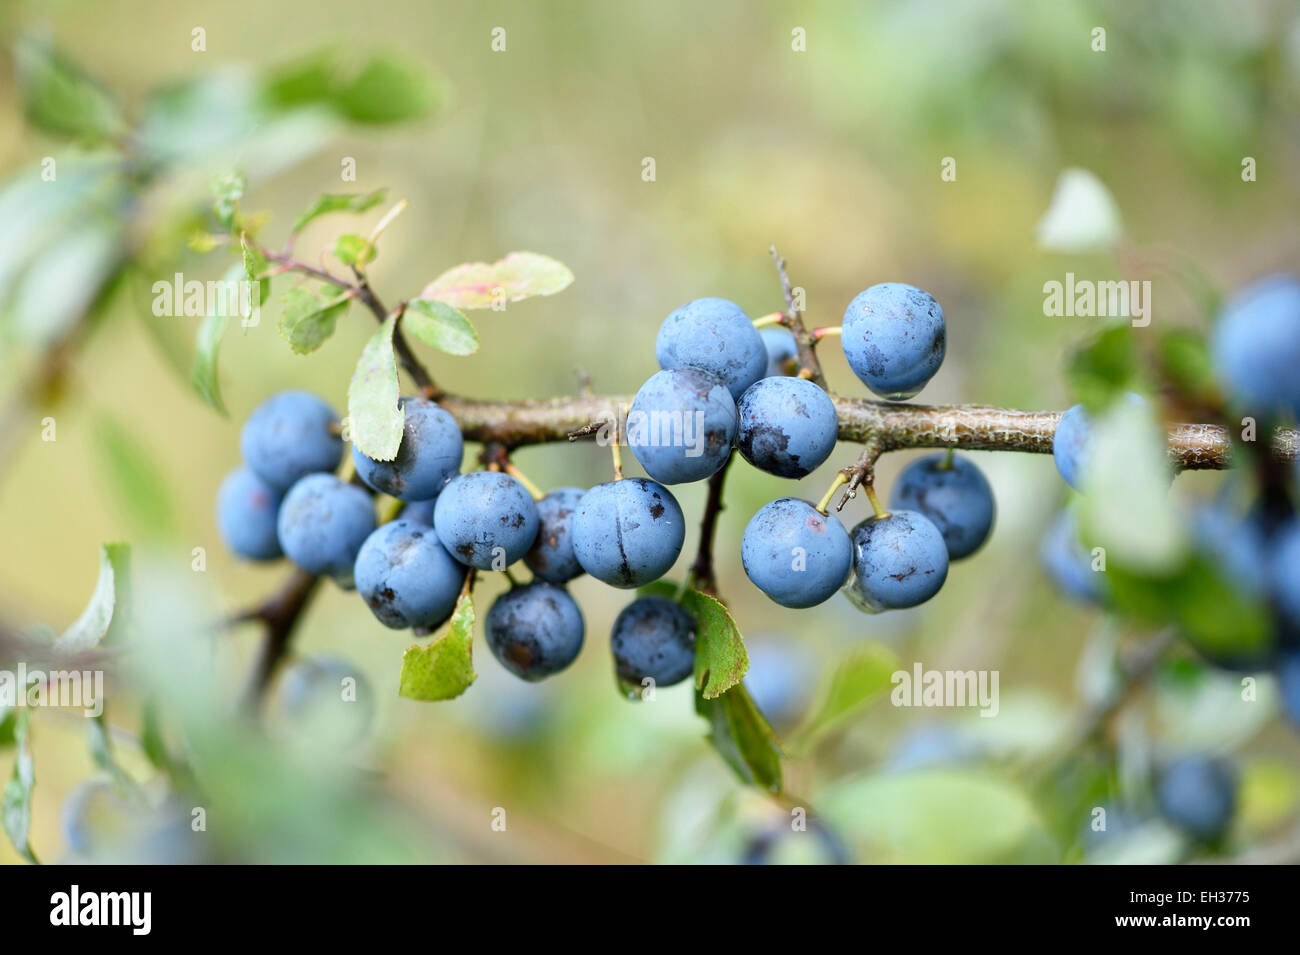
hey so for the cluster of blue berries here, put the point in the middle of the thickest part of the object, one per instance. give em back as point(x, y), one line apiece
point(287, 501)
point(893, 337)
point(722, 386)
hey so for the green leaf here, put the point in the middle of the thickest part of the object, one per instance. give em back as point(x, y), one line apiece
point(659, 588)
point(16, 807)
point(339, 202)
point(38, 215)
point(307, 321)
point(441, 326)
point(304, 81)
point(1213, 615)
point(1200, 707)
point(1126, 507)
point(140, 484)
point(518, 276)
point(856, 681)
point(946, 816)
point(7, 721)
point(152, 740)
point(204, 242)
point(744, 738)
point(720, 658)
point(255, 266)
point(383, 89)
point(93, 624)
point(1105, 369)
point(376, 419)
point(101, 752)
point(213, 120)
point(354, 251)
point(1185, 361)
point(387, 90)
point(228, 190)
point(66, 280)
point(444, 669)
point(203, 373)
point(59, 97)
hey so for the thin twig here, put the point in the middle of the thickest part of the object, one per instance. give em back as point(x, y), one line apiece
point(366, 295)
point(280, 614)
point(810, 365)
point(702, 575)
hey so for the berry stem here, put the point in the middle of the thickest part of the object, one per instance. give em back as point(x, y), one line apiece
point(946, 463)
point(775, 318)
point(876, 506)
point(828, 331)
point(841, 479)
point(615, 449)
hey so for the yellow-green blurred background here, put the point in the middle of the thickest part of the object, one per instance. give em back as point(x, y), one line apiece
point(834, 153)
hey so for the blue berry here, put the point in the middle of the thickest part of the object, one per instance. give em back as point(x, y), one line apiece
point(97, 822)
point(954, 494)
point(486, 519)
point(795, 554)
point(781, 349)
point(782, 844)
point(654, 639)
point(628, 533)
point(1068, 563)
point(681, 425)
point(894, 338)
point(328, 699)
point(246, 510)
point(1256, 347)
point(1198, 794)
point(1286, 571)
point(717, 336)
point(406, 576)
point(290, 435)
point(323, 523)
point(428, 457)
point(1288, 681)
point(788, 426)
point(898, 561)
point(1070, 445)
point(535, 630)
point(782, 677)
point(551, 557)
